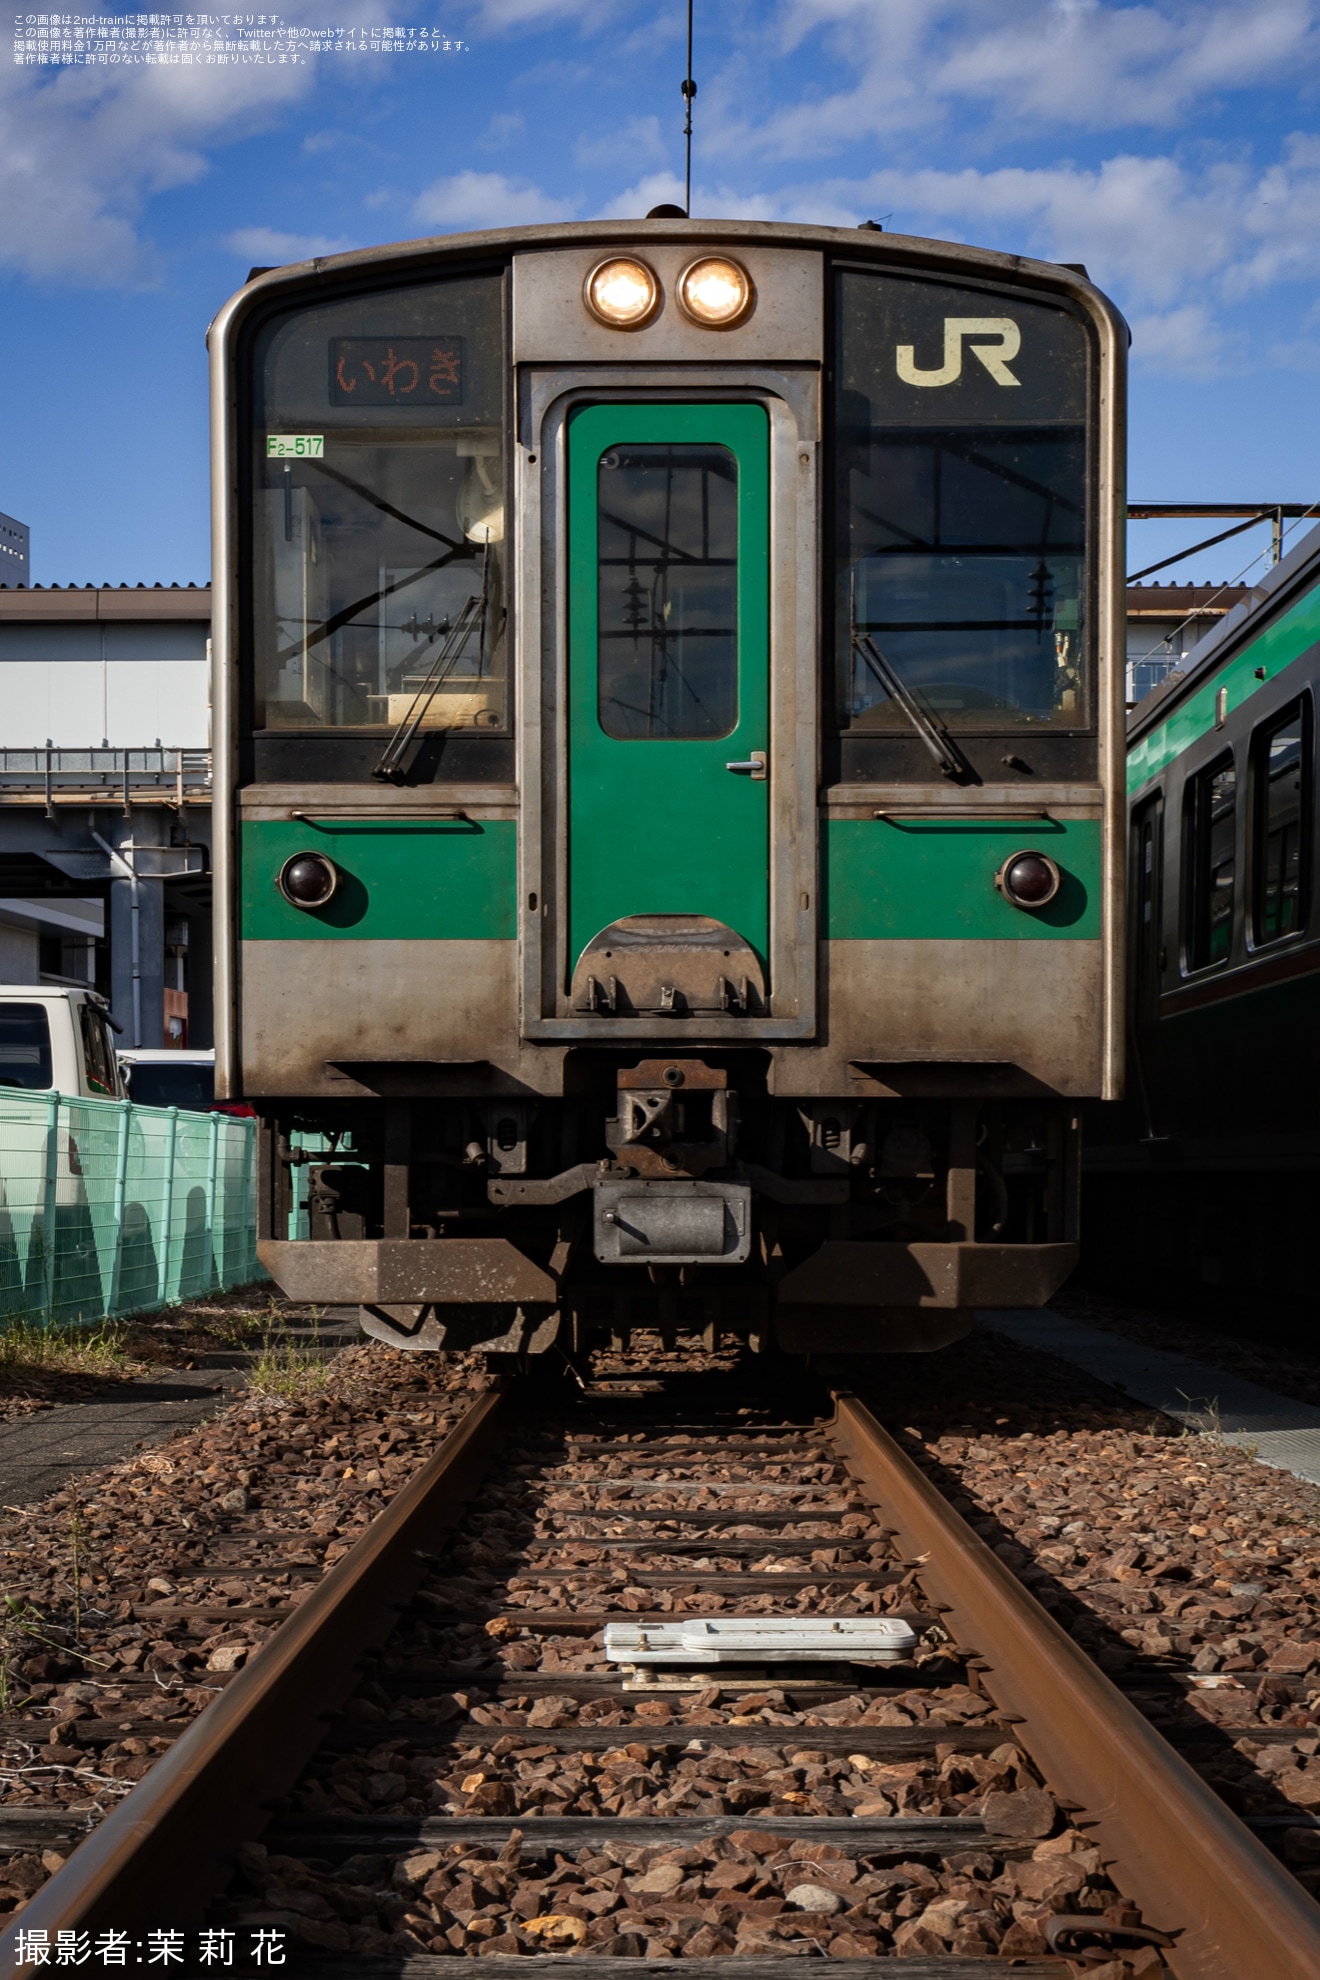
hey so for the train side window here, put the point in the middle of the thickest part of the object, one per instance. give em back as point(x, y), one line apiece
point(1147, 832)
point(1281, 776)
point(1212, 863)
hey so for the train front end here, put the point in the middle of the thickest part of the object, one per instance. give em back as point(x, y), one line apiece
point(668, 757)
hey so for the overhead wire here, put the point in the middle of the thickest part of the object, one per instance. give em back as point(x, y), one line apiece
point(1207, 543)
point(1311, 515)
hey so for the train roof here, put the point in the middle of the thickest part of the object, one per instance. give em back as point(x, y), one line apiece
point(1067, 278)
point(574, 233)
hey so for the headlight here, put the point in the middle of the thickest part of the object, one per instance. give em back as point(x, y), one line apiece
point(623, 293)
point(308, 880)
point(1029, 880)
point(715, 292)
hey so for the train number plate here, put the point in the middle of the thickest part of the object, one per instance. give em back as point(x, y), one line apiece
point(295, 446)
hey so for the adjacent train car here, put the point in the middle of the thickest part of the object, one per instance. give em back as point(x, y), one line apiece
point(668, 740)
point(1206, 1175)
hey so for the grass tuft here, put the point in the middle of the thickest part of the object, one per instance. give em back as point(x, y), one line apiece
point(288, 1369)
point(26, 1347)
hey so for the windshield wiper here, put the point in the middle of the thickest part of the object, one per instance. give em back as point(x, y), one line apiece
point(471, 619)
point(472, 615)
point(950, 759)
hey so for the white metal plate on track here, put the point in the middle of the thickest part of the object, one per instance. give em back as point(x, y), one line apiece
point(780, 1639)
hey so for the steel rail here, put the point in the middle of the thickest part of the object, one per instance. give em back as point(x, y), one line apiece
point(168, 1847)
point(1168, 1840)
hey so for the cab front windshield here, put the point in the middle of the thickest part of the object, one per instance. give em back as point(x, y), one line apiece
point(379, 519)
point(960, 504)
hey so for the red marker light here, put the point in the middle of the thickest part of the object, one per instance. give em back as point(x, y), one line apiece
point(1029, 880)
point(308, 880)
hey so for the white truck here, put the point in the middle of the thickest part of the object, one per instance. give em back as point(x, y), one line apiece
point(57, 1040)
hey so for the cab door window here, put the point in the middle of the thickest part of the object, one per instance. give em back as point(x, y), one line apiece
point(1212, 863)
point(1281, 774)
point(668, 590)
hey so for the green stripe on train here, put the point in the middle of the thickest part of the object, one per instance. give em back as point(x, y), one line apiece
point(418, 879)
point(914, 879)
point(906, 879)
point(1274, 649)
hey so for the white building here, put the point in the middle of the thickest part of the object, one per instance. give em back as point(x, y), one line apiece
point(1164, 623)
point(88, 666)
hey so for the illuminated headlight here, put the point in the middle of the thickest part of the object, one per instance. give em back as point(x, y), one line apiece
point(1029, 880)
point(308, 880)
point(623, 293)
point(715, 292)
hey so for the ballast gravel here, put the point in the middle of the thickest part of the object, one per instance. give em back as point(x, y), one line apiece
point(503, 1762)
point(1189, 1573)
point(132, 1597)
point(752, 1893)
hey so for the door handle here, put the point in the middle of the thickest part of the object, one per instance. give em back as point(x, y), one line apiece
point(754, 767)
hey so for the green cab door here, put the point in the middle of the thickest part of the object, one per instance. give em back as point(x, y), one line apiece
point(668, 664)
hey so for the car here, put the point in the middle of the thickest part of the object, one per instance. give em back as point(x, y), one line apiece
point(174, 1077)
point(57, 1040)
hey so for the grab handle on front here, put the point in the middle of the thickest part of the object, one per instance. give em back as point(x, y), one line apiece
point(754, 767)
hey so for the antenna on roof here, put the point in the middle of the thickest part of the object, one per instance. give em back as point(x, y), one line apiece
point(689, 88)
point(689, 91)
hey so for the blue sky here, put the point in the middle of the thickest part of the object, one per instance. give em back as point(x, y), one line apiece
point(1173, 147)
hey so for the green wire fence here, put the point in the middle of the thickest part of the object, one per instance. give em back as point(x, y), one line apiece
point(109, 1209)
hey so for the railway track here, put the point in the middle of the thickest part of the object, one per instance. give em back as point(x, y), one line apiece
point(495, 1785)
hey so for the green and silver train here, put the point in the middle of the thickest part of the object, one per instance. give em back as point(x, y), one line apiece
point(668, 740)
point(1205, 1176)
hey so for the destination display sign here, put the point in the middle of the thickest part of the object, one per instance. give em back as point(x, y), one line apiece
point(396, 371)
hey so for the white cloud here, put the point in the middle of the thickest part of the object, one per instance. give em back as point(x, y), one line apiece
point(815, 206)
point(1141, 223)
point(636, 201)
point(639, 140)
point(1281, 219)
point(504, 16)
point(1148, 228)
point(1037, 65)
point(337, 141)
point(502, 130)
point(485, 199)
point(83, 150)
point(1186, 340)
point(270, 248)
point(1175, 246)
point(1075, 62)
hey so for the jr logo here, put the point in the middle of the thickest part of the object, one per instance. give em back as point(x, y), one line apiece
point(993, 356)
